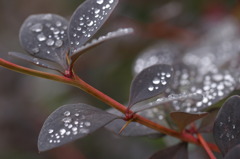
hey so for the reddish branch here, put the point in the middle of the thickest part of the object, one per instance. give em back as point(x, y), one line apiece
point(77, 82)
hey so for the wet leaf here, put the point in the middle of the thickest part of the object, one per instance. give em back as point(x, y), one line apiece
point(178, 151)
point(71, 122)
point(34, 60)
point(226, 127)
point(101, 39)
point(160, 53)
point(150, 82)
point(182, 119)
point(234, 153)
point(133, 129)
point(44, 36)
point(207, 122)
point(87, 20)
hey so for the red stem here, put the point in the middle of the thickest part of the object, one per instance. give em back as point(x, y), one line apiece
point(206, 146)
point(77, 82)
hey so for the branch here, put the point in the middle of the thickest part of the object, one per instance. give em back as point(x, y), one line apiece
point(206, 146)
point(77, 82)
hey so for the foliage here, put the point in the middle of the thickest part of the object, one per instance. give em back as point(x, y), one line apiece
point(172, 92)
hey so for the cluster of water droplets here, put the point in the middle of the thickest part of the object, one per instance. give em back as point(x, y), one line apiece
point(72, 124)
point(229, 129)
point(162, 53)
point(160, 79)
point(48, 34)
point(109, 35)
point(89, 21)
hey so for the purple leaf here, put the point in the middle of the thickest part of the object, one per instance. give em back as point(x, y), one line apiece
point(150, 82)
point(71, 122)
point(182, 119)
point(35, 61)
point(226, 130)
point(87, 20)
point(101, 39)
point(207, 122)
point(178, 151)
point(45, 36)
point(161, 53)
point(234, 153)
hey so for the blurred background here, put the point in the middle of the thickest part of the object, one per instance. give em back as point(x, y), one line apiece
point(26, 101)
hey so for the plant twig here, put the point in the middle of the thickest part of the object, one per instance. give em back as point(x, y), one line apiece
point(77, 82)
point(205, 146)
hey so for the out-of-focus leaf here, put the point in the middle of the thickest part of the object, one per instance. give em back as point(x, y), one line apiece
point(150, 82)
point(178, 151)
point(45, 36)
point(34, 60)
point(71, 122)
point(182, 119)
point(87, 20)
point(234, 153)
point(208, 122)
point(226, 130)
point(101, 39)
point(161, 53)
point(133, 129)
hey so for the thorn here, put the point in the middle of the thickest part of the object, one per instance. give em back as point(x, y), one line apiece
point(124, 126)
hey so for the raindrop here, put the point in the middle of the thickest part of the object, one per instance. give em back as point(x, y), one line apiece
point(50, 131)
point(74, 129)
point(163, 82)
point(76, 122)
point(79, 28)
point(67, 120)
point(47, 17)
point(111, 1)
point(35, 50)
point(37, 27)
point(58, 24)
point(168, 75)
point(97, 11)
point(84, 131)
point(67, 113)
point(58, 43)
point(68, 133)
point(56, 31)
point(70, 126)
point(100, 1)
point(150, 88)
point(62, 131)
point(77, 114)
point(156, 80)
point(90, 23)
point(87, 123)
point(107, 6)
point(50, 42)
point(41, 37)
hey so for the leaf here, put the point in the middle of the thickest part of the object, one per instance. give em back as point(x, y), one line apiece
point(207, 122)
point(150, 82)
point(234, 153)
point(71, 122)
point(178, 151)
point(34, 60)
point(87, 20)
point(44, 36)
point(101, 39)
point(226, 130)
point(182, 119)
point(160, 53)
point(133, 129)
